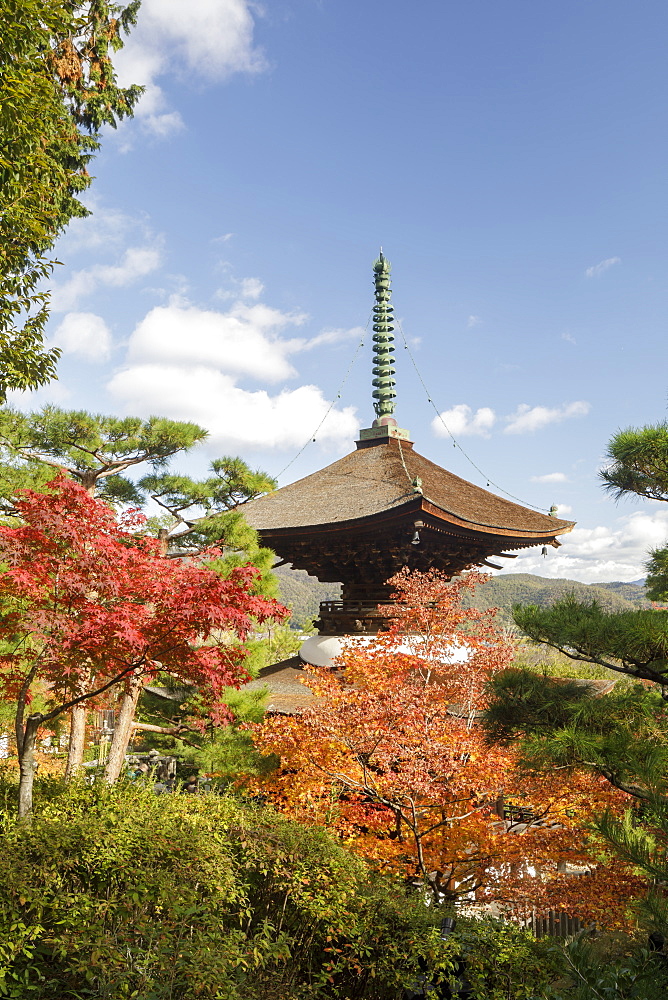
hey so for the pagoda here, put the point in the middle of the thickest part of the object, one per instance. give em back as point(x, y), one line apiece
point(384, 507)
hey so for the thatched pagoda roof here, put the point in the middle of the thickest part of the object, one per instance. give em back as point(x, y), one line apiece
point(388, 477)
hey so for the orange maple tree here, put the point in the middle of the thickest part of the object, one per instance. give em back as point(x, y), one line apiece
point(392, 759)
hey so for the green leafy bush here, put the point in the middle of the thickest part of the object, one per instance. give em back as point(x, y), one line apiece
point(121, 893)
point(504, 962)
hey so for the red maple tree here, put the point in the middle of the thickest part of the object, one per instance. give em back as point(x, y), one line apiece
point(87, 605)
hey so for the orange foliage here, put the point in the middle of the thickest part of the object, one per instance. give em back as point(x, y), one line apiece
point(392, 759)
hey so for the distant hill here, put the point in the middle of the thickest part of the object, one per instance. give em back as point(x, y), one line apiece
point(525, 588)
point(303, 593)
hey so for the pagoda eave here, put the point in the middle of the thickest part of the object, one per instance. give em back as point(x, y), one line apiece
point(532, 537)
point(374, 549)
point(434, 518)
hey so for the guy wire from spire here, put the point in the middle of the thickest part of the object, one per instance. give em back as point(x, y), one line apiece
point(490, 482)
point(403, 462)
point(331, 406)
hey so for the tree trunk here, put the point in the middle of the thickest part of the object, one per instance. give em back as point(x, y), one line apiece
point(27, 777)
point(78, 713)
point(123, 731)
point(163, 538)
point(21, 703)
point(75, 750)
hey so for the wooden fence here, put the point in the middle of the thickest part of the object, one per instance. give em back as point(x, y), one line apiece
point(555, 924)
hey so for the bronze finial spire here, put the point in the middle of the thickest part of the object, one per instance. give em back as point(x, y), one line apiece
point(383, 340)
point(384, 426)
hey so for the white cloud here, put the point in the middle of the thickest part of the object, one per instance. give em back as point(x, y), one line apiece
point(107, 228)
point(208, 39)
point(135, 263)
point(187, 362)
point(563, 510)
point(162, 126)
point(335, 336)
point(251, 288)
point(604, 265)
point(601, 554)
point(551, 477)
point(569, 338)
point(234, 417)
point(243, 341)
point(213, 37)
point(473, 321)
point(532, 418)
point(461, 420)
point(246, 340)
point(84, 334)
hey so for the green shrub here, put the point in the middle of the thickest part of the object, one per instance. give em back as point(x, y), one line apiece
point(504, 962)
point(121, 893)
point(613, 967)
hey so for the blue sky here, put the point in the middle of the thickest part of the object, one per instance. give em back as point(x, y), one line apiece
point(510, 159)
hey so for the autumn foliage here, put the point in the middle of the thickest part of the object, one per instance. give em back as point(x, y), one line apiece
point(392, 758)
point(87, 604)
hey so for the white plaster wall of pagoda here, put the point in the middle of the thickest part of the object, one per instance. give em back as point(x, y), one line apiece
point(322, 650)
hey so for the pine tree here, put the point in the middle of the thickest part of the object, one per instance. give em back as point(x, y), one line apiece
point(95, 450)
point(200, 513)
point(639, 466)
point(621, 736)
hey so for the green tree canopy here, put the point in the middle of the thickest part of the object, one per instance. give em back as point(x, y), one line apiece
point(200, 513)
point(57, 90)
point(634, 643)
point(92, 448)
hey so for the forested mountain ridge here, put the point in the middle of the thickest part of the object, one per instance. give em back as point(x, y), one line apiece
point(524, 588)
point(303, 593)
